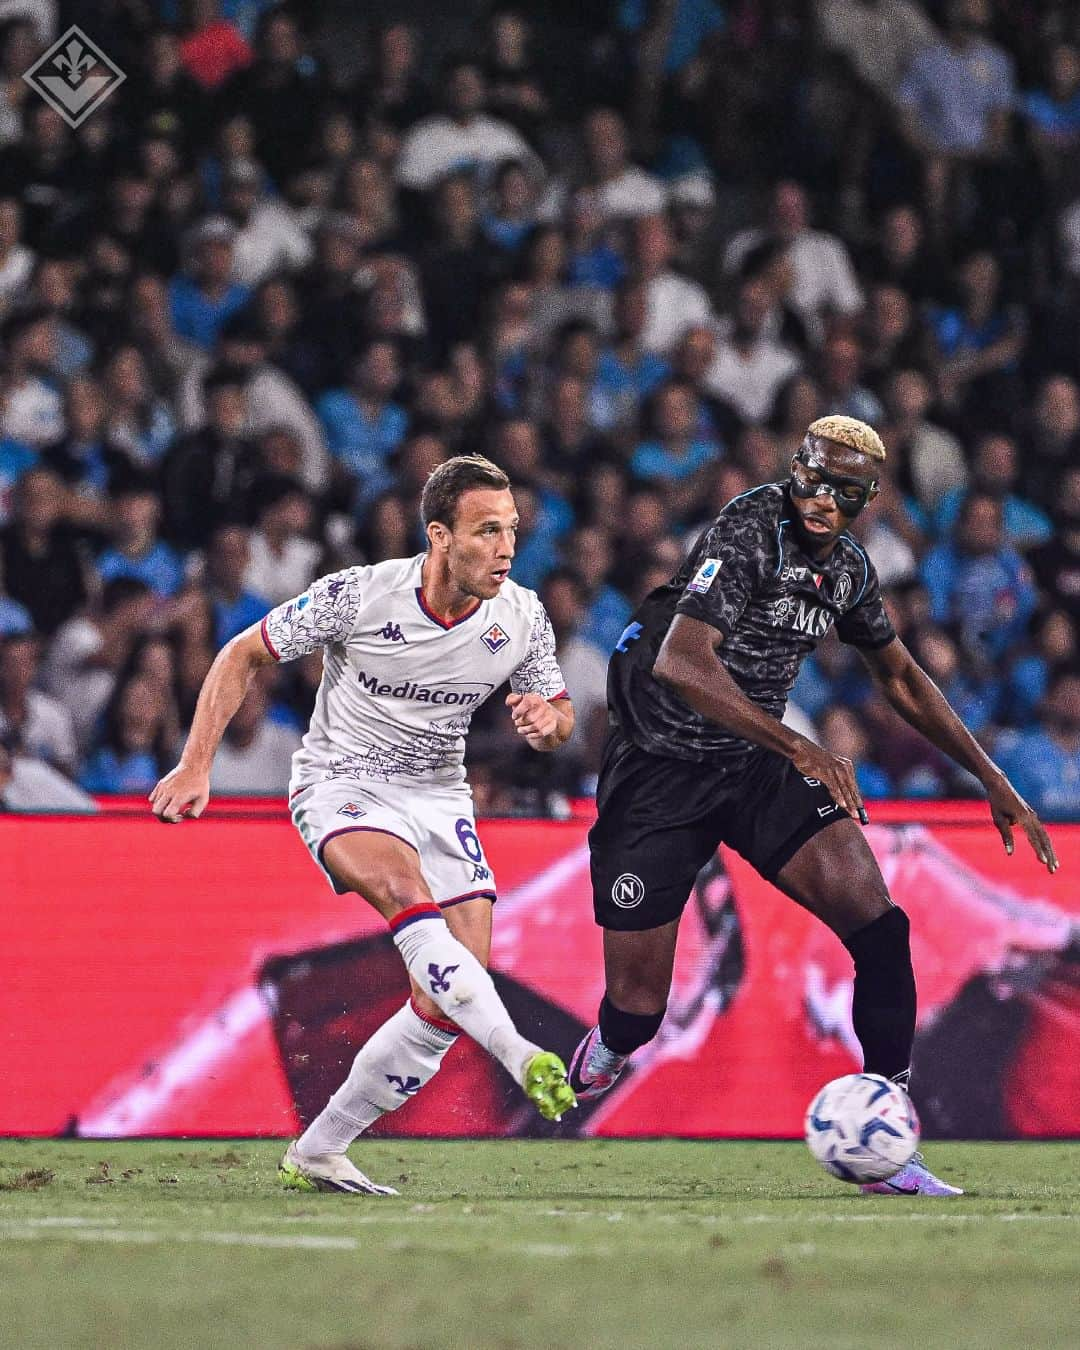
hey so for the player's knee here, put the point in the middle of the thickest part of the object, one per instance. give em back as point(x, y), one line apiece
point(881, 942)
point(638, 989)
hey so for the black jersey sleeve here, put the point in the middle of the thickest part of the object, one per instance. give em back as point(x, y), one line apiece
point(727, 564)
point(866, 624)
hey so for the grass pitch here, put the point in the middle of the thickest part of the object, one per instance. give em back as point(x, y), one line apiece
point(516, 1244)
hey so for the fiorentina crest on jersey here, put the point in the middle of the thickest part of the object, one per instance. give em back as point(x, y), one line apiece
point(351, 810)
point(494, 639)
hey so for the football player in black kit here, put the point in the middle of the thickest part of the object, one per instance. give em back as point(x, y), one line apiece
point(697, 756)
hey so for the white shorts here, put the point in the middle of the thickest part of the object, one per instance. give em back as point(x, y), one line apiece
point(436, 821)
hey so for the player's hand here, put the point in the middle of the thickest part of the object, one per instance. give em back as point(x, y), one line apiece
point(182, 792)
point(533, 715)
point(835, 772)
point(1008, 808)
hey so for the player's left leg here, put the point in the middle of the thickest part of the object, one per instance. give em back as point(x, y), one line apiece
point(835, 876)
point(402, 1056)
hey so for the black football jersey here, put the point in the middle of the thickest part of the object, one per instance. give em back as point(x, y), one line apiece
point(772, 603)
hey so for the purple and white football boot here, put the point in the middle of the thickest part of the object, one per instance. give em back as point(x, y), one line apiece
point(914, 1178)
point(594, 1068)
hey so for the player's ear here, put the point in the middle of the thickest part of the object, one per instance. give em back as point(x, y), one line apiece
point(438, 536)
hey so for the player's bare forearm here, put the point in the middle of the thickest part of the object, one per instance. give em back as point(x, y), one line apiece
point(543, 724)
point(185, 790)
point(921, 703)
point(221, 694)
point(688, 663)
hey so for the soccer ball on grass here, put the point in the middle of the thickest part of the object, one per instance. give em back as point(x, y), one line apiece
point(862, 1128)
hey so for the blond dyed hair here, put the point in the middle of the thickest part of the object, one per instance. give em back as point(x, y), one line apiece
point(849, 431)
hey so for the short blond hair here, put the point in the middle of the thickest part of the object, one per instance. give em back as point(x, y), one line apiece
point(849, 431)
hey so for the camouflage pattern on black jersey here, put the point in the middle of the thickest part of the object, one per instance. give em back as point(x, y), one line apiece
point(749, 579)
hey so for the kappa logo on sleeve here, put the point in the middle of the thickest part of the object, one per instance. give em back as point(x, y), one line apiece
point(495, 638)
point(704, 577)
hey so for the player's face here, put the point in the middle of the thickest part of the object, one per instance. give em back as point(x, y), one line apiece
point(830, 485)
point(482, 541)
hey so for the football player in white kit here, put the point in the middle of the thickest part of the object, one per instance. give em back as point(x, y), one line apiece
point(411, 648)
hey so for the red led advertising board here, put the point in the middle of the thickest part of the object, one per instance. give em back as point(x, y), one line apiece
point(204, 980)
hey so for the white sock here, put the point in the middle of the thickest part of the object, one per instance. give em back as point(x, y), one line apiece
point(450, 975)
point(392, 1066)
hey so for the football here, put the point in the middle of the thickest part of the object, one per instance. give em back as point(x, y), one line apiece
point(862, 1128)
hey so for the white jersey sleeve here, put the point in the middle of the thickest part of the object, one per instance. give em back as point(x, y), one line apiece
point(325, 613)
point(538, 672)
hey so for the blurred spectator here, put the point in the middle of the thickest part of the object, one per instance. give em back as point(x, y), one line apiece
point(842, 733)
point(621, 188)
point(512, 211)
point(841, 380)
point(41, 562)
point(824, 281)
point(462, 137)
point(980, 584)
point(979, 341)
point(234, 607)
point(1044, 763)
point(1057, 563)
point(900, 255)
point(931, 458)
point(38, 725)
point(996, 471)
point(395, 92)
point(255, 753)
point(32, 411)
point(138, 419)
point(53, 288)
point(214, 48)
point(208, 294)
point(1052, 115)
point(608, 611)
point(675, 454)
point(134, 748)
point(1056, 648)
point(273, 401)
point(267, 239)
point(136, 550)
point(284, 558)
point(208, 475)
point(975, 700)
point(16, 260)
point(672, 303)
point(27, 784)
point(593, 258)
point(456, 268)
point(83, 658)
point(878, 39)
point(85, 459)
point(750, 368)
point(362, 423)
point(1052, 442)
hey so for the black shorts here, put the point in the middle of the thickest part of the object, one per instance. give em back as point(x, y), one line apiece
point(660, 820)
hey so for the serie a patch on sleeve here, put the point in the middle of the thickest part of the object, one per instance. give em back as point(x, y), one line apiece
point(704, 577)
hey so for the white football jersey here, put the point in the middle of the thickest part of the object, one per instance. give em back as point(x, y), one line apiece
point(400, 684)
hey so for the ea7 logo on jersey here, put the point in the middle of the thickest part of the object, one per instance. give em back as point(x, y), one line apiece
point(351, 810)
point(494, 639)
point(704, 577)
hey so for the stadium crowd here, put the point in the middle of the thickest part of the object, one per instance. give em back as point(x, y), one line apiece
point(629, 250)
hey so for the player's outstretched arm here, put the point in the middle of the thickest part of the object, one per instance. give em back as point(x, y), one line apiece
point(688, 663)
point(920, 702)
point(544, 723)
point(185, 790)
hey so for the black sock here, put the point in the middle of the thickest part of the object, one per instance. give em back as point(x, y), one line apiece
point(623, 1032)
point(883, 1009)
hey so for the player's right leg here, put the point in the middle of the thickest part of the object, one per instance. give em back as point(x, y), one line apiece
point(655, 830)
point(386, 872)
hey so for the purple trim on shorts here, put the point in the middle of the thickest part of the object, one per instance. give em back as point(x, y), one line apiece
point(266, 639)
point(469, 895)
point(357, 829)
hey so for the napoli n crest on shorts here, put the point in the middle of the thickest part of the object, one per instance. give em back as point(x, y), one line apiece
point(495, 638)
point(628, 891)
